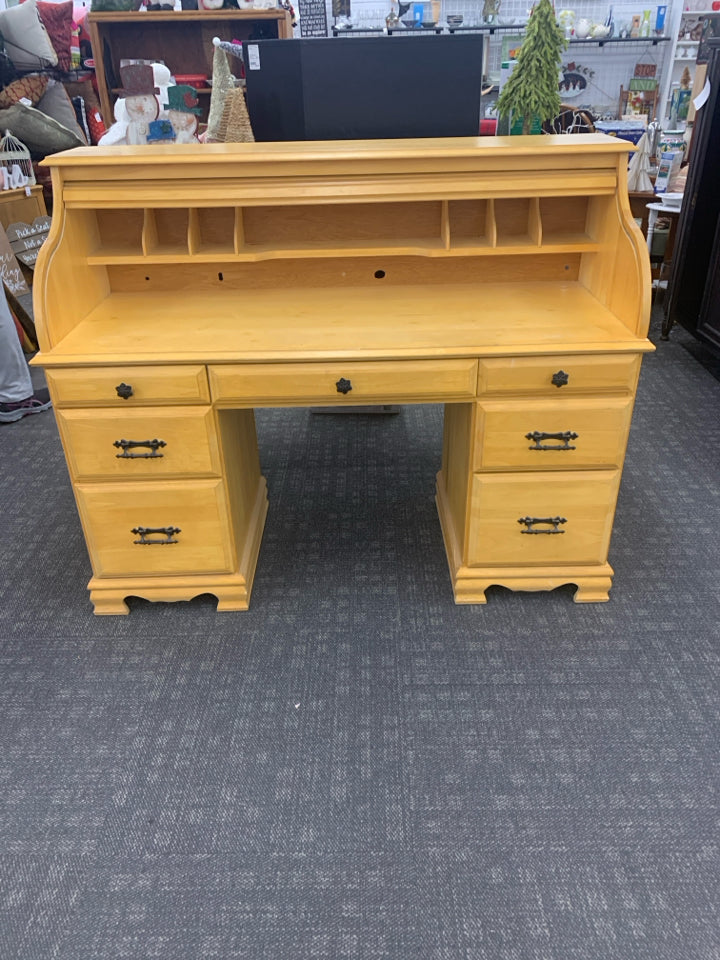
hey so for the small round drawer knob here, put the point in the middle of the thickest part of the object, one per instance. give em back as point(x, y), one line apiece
point(343, 385)
point(560, 378)
point(124, 390)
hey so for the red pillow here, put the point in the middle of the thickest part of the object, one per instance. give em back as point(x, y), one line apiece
point(57, 18)
point(95, 125)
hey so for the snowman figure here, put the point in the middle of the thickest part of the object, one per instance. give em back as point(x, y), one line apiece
point(182, 112)
point(141, 103)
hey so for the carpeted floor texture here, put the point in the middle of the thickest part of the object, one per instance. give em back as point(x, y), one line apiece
point(356, 767)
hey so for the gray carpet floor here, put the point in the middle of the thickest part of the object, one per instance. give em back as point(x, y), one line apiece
point(356, 767)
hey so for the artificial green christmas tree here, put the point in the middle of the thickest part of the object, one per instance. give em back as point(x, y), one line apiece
point(532, 90)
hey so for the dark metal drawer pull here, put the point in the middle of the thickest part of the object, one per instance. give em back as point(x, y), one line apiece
point(144, 532)
point(126, 445)
point(343, 385)
point(537, 436)
point(531, 521)
point(560, 378)
point(124, 390)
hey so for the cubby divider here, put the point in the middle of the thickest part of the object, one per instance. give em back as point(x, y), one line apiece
point(535, 228)
point(194, 240)
point(445, 231)
point(239, 231)
point(491, 223)
point(149, 233)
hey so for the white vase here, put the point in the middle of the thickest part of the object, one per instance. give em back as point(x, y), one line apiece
point(582, 28)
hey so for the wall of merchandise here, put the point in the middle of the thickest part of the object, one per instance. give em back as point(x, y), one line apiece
point(595, 73)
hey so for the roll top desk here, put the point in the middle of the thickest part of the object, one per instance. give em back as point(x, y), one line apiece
point(183, 286)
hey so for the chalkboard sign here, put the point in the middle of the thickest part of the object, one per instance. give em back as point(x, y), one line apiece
point(27, 238)
point(10, 272)
point(313, 18)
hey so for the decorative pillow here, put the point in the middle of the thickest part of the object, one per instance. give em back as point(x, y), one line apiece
point(57, 18)
point(40, 133)
point(26, 39)
point(84, 89)
point(57, 104)
point(30, 87)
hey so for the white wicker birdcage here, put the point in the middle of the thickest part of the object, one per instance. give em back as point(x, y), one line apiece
point(14, 154)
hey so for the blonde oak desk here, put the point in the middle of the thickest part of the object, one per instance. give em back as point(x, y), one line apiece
point(183, 286)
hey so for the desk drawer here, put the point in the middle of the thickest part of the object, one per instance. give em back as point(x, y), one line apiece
point(98, 386)
point(552, 434)
point(141, 443)
point(323, 383)
point(187, 528)
point(584, 501)
point(585, 374)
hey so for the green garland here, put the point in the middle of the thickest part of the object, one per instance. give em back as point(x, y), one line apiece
point(532, 88)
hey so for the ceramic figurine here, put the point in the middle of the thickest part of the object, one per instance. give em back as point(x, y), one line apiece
point(141, 104)
point(182, 112)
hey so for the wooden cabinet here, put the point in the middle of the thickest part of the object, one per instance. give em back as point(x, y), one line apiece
point(180, 39)
point(504, 278)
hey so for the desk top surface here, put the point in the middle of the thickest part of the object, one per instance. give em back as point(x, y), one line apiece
point(429, 321)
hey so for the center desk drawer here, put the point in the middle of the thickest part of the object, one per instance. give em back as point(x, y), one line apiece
point(128, 386)
point(141, 443)
point(559, 375)
point(344, 382)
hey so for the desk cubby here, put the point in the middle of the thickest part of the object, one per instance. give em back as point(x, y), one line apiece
point(181, 288)
point(512, 225)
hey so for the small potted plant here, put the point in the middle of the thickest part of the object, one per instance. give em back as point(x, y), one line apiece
point(531, 94)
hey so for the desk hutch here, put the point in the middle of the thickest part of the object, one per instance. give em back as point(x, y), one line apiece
point(183, 286)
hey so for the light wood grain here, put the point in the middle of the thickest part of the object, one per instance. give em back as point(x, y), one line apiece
point(534, 375)
point(188, 435)
point(218, 278)
point(499, 501)
point(420, 381)
point(283, 324)
point(111, 511)
point(155, 385)
point(601, 425)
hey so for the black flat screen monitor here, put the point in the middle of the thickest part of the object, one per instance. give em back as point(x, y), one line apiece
point(364, 88)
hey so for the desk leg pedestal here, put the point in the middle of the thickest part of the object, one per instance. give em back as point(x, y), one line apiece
point(593, 582)
point(232, 590)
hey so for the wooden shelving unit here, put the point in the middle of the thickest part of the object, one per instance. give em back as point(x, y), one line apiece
point(180, 39)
